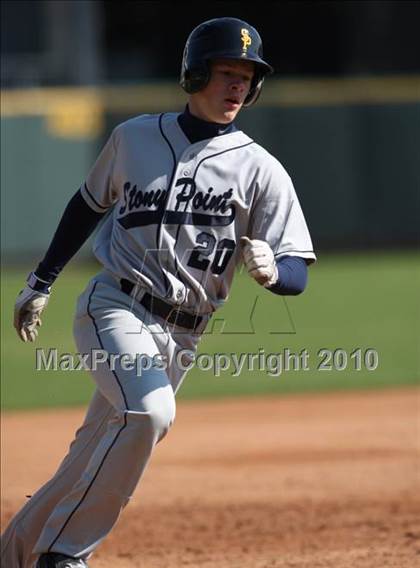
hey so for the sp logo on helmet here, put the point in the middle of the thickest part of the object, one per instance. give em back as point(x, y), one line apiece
point(246, 40)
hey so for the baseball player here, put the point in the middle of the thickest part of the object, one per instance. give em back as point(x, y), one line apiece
point(184, 198)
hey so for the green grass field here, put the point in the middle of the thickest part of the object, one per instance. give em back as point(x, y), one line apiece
point(366, 301)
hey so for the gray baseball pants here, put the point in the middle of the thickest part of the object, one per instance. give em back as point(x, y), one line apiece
point(128, 415)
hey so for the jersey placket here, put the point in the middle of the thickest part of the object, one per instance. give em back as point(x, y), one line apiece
point(180, 194)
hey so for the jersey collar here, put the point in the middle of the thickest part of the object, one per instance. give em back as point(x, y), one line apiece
point(196, 129)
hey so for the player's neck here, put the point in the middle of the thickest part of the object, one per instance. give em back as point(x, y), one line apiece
point(197, 129)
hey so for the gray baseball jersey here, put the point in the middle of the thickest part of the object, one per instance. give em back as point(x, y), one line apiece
point(180, 209)
point(177, 214)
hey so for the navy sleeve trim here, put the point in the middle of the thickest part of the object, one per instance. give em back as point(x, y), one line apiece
point(93, 199)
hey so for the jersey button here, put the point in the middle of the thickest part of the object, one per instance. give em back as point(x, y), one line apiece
point(179, 295)
point(186, 172)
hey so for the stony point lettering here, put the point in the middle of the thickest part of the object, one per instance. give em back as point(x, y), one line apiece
point(187, 197)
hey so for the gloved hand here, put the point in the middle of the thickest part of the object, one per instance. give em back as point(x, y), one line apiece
point(28, 308)
point(259, 261)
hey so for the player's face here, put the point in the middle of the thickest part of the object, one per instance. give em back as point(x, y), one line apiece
point(223, 97)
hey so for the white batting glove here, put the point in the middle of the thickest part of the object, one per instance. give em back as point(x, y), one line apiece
point(259, 261)
point(28, 308)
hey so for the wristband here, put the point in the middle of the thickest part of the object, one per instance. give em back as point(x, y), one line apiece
point(37, 284)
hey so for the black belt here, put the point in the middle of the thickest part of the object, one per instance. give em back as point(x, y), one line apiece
point(158, 307)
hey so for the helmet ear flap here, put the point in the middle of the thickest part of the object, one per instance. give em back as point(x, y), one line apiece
point(255, 90)
point(193, 79)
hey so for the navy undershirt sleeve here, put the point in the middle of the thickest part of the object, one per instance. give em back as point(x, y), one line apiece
point(76, 225)
point(293, 276)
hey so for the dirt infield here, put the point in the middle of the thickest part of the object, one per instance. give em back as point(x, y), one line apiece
point(298, 481)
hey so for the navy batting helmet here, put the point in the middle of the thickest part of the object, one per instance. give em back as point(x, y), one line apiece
point(228, 38)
